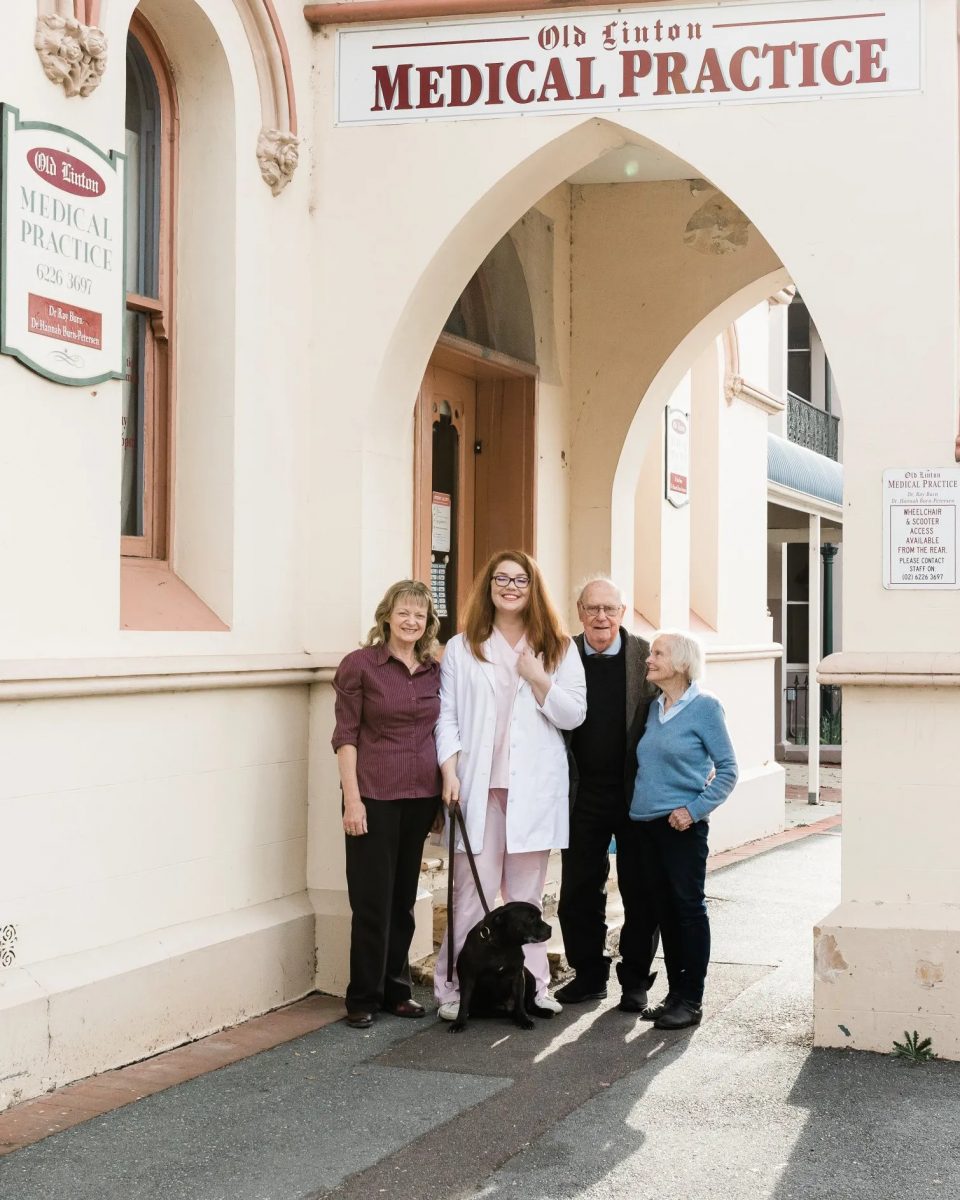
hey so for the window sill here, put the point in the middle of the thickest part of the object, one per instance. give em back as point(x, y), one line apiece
point(153, 598)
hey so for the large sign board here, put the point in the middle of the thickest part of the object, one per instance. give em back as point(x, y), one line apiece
point(625, 58)
point(920, 528)
point(62, 295)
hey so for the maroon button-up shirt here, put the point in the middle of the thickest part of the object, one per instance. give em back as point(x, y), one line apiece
point(389, 715)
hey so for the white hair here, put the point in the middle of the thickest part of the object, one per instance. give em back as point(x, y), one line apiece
point(591, 579)
point(686, 652)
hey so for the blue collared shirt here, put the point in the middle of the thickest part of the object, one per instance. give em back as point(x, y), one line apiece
point(692, 692)
point(611, 651)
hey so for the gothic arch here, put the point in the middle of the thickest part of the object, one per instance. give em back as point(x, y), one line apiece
point(62, 25)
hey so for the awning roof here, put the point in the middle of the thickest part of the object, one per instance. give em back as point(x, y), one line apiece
point(803, 470)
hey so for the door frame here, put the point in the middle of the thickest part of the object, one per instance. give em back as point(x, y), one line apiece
point(498, 377)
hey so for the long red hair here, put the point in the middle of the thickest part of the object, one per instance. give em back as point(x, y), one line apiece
point(543, 628)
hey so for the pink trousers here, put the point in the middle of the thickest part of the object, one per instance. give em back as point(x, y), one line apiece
point(514, 876)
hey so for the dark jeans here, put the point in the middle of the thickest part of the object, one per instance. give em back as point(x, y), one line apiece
point(383, 869)
point(598, 815)
point(674, 868)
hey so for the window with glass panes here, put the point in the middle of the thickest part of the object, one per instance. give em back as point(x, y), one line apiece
point(145, 411)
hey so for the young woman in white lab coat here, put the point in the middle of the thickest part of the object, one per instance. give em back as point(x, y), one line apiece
point(508, 685)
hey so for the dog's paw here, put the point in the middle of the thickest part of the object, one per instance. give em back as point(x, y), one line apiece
point(526, 1023)
point(456, 1027)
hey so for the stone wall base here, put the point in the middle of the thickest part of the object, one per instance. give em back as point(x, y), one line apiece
point(882, 969)
point(80, 1014)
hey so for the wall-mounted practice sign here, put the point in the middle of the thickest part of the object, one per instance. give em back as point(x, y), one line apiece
point(920, 528)
point(62, 295)
point(637, 56)
point(677, 475)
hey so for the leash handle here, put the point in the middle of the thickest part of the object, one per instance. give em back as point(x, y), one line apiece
point(456, 816)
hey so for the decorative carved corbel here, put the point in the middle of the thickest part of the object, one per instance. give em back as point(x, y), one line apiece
point(278, 154)
point(717, 227)
point(735, 387)
point(784, 296)
point(71, 54)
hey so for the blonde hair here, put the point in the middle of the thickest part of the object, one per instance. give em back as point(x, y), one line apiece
point(406, 589)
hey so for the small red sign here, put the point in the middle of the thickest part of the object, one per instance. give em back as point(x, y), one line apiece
point(65, 172)
point(678, 483)
point(64, 322)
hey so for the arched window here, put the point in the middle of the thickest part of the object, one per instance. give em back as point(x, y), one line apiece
point(145, 437)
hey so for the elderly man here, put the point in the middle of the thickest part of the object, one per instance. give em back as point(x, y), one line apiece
point(603, 766)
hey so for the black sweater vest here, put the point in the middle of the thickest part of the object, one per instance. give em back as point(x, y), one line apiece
point(600, 744)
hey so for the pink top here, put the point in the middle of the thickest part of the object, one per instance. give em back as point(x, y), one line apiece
point(504, 658)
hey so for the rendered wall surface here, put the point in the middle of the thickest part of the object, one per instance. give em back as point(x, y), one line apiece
point(200, 822)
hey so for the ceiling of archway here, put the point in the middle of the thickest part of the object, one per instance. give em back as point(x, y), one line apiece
point(634, 164)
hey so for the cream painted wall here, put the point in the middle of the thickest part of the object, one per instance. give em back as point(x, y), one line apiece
point(705, 471)
point(341, 287)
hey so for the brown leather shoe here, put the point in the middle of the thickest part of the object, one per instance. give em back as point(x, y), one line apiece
point(359, 1020)
point(405, 1008)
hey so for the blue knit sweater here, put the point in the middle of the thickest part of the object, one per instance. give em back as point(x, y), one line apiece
point(674, 759)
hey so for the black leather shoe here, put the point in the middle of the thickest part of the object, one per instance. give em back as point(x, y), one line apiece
point(359, 1020)
point(681, 1014)
point(633, 1000)
point(657, 1010)
point(578, 990)
point(405, 1008)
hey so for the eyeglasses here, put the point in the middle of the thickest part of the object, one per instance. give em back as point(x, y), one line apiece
point(608, 610)
point(518, 581)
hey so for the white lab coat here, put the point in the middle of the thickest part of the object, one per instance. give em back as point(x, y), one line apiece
point(538, 810)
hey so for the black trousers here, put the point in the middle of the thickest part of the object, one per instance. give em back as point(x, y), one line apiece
point(674, 868)
point(598, 815)
point(383, 869)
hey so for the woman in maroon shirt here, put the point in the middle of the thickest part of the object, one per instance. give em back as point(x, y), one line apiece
point(387, 706)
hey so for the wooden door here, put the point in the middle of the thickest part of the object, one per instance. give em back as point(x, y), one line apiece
point(446, 420)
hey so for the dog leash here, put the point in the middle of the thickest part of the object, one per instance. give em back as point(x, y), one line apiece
point(456, 816)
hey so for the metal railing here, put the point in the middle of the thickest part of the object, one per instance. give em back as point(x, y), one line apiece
point(831, 712)
point(810, 426)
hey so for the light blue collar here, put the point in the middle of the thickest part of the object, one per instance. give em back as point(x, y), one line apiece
point(611, 651)
point(692, 692)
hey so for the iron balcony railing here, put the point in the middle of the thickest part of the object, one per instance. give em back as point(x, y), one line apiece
point(810, 426)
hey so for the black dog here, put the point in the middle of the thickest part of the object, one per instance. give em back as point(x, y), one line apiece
point(493, 979)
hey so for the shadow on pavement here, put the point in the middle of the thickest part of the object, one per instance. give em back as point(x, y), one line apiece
point(877, 1128)
point(555, 1070)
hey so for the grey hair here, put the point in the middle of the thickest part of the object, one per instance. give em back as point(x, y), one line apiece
point(686, 652)
point(599, 579)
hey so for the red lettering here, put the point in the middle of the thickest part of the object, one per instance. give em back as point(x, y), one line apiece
point(430, 87)
point(513, 82)
point(494, 94)
point(829, 65)
point(711, 72)
point(587, 90)
point(870, 69)
point(460, 96)
point(808, 63)
point(670, 74)
point(779, 56)
point(636, 65)
point(736, 69)
point(555, 81)
point(391, 93)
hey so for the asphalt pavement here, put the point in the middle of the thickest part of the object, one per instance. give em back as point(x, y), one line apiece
point(592, 1104)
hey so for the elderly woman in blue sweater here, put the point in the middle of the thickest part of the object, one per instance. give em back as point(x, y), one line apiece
point(685, 742)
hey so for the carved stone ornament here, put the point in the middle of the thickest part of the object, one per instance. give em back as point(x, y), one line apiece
point(72, 54)
point(278, 154)
point(717, 227)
